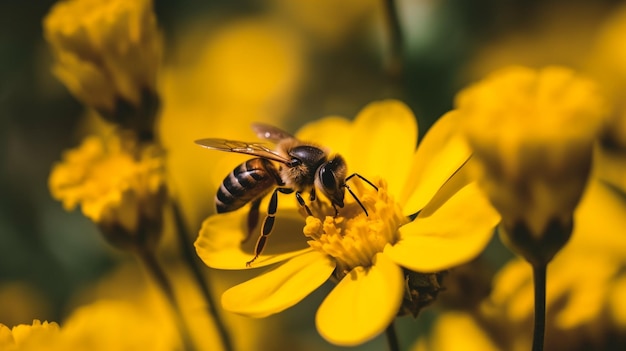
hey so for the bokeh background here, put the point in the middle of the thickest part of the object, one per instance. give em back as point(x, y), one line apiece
point(228, 63)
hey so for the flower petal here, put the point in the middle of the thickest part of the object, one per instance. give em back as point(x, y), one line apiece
point(281, 287)
point(385, 136)
point(363, 304)
point(453, 234)
point(459, 331)
point(219, 243)
point(440, 154)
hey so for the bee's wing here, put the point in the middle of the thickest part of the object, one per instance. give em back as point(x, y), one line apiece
point(271, 133)
point(242, 147)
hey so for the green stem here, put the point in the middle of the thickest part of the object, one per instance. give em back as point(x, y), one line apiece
point(156, 272)
point(395, 65)
point(192, 260)
point(539, 277)
point(392, 337)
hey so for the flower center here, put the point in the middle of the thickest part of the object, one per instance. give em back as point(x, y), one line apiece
point(352, 237)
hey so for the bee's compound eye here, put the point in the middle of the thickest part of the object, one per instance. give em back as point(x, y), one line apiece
point(329, 181)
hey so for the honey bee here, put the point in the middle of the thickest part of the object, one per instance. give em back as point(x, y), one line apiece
point(302, 167)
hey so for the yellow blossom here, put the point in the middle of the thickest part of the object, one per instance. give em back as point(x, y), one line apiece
point(26, 337)
point(106, 53)
point(103, 325)
point(365, 254)
point(117, 325)
point(126, 289)
point(584, 280)
point(118, 183)
point(455, 331)
point(532, 133)
point(586, 285)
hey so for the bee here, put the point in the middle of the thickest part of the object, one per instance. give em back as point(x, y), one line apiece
point(301, 167)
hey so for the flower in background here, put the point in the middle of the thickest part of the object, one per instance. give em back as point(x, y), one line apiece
point(103, 325)
point(119, 185)
point(585, 278)
point(118, 325)
point(126, 291)
point(25, 337)
point(453, 331)
point(365, 254)
point(107, 54)
point(584, 292)
point(532, 133)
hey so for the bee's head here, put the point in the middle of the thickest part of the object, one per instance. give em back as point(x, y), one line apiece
point(331, 179)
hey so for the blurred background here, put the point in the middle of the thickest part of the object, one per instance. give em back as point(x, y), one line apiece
point(229, 63)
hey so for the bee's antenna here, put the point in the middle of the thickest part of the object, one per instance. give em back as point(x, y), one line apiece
point(352, 193)
point(363, 179)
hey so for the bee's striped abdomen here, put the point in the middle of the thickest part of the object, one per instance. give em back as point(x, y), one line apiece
point(245, 183)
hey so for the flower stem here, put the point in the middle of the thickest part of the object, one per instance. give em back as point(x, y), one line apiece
point(156, 272)
point(192, 260)
point(392, 337)
point(395, 64)
point(539, 277)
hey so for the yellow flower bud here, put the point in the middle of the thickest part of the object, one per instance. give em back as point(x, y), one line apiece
point(118, 183)
point(532, 134)
point(107, 53)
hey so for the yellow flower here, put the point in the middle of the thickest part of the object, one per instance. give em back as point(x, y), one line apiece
point(117, 325)
point(103, 325)
point(454, 331)
point(106, 52)
point(586, 285)
point(25, 337)
point(532, 133)
point(582, 280)
point(127, 291)
point(367, 259)
point(118, 183)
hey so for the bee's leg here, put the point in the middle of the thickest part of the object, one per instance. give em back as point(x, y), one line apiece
point(268, 223)
point(253, 218)
point(302, 203)
point(312, 197)
point(363, 179)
